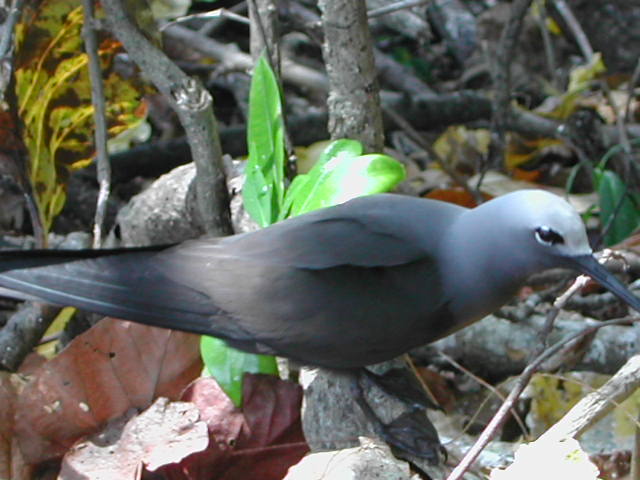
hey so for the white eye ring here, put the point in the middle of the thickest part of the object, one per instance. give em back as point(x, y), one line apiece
point(548, 236)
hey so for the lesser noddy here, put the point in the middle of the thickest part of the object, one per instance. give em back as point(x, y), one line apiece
point(341, 287)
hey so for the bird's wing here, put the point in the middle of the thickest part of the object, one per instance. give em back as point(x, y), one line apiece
point(336, 289)
point(375, 231)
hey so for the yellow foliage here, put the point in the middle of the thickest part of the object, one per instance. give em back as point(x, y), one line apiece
point(460, 142)
point(54, 98)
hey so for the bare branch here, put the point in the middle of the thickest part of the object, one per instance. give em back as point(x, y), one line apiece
point(99, 116)
point(502, 80)
point(354, 102)
point(194, 107)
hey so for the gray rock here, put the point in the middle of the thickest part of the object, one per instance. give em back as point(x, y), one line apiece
point(370, 460)
point(163, 213)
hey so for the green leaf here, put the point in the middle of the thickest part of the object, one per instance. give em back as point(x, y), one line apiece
point(343, 146)
point(263, 194)
point(303, 185)
point(263, 190)
point(228, 365)
point(341, 174)
point(256, 196)
point(611, 190)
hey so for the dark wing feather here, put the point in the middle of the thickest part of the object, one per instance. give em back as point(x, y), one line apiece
point(375, 231)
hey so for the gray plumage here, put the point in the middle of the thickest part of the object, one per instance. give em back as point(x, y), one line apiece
point(341, 287)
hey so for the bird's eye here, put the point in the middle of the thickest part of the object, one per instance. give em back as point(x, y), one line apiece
point(548, 236)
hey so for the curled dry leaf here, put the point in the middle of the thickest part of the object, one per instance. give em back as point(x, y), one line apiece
point(111, 368)
point(165, 433)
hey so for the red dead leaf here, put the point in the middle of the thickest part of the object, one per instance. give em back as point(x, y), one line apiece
point(526, 175)
point(458, 196)
point(104, 372)
point(262, 441)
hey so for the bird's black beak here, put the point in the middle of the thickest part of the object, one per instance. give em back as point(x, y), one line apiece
point(588, 265)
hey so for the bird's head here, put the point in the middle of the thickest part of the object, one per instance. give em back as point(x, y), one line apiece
point(544, 231)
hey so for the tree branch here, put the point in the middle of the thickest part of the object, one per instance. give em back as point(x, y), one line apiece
point(194, 107)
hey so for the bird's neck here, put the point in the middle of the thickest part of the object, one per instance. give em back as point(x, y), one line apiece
point(479, 275)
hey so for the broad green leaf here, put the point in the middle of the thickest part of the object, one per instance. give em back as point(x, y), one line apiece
point(626, 219)
point(263, 190)
point(263, 194)
point(228, 365)
point(303, 185)
point(54, 97)
point(340, 175)
point(256, 196)
point(343, 146)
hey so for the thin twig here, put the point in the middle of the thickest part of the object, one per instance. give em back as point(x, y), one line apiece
point(565, 134)
point(632, 85)
point(502, 81)
point(414, 370)
point(486, 385)
point(264, 33)
point(598, 403)
point(575, 28)
point(541, 355)
point(100, 118)
point(549, 52)
point(416, 137)
point(230, 57)
point(500, 416)
point(19, 155)
point(215, 24)
point(264, 26)
point(587, 51)
point(619, 118)
point(216, 14)
point(194, 106)
point(6, 41)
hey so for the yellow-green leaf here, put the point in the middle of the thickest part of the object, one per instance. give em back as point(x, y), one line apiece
point(54, 98)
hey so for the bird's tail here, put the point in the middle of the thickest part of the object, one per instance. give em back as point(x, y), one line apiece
point(122, 283)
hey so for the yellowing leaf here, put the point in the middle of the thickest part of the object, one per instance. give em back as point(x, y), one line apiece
point(54, 98)
point(580, 77)
point(48, 350)
point(520, 152)
point(553, 26)
point(461, 143)
point(308, 156)
point(562, 106)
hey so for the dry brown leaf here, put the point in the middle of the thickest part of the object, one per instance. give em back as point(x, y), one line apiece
point(165, 433)
point(104, 372)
